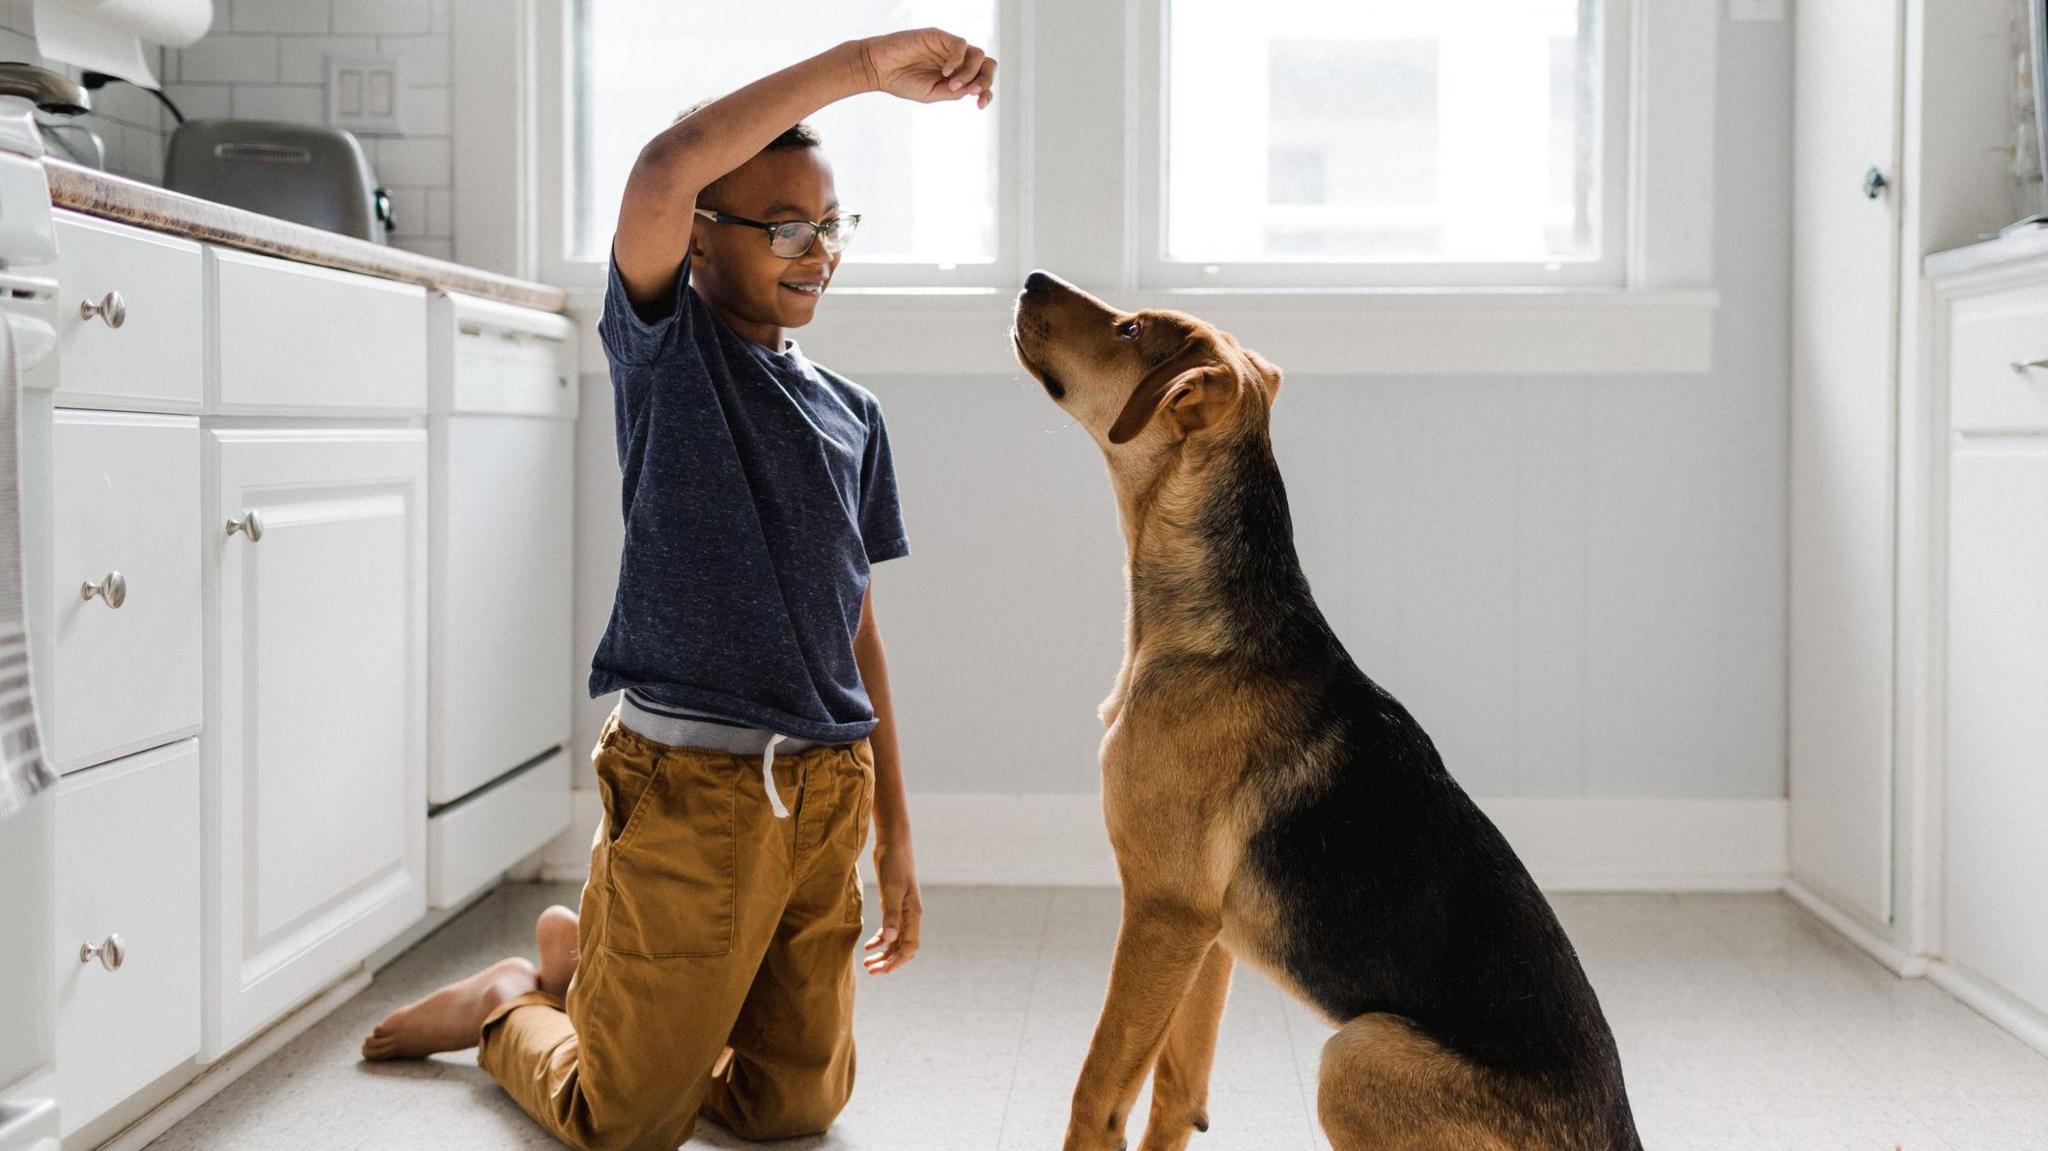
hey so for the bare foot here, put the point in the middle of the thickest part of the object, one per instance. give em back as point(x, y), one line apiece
point(449, 1019)
point(555, 935)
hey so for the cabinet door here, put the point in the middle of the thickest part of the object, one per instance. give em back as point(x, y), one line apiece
point(317, 728)
point(124, 494)
point(1995, 874)
point(1844, 277)
point(128, 839)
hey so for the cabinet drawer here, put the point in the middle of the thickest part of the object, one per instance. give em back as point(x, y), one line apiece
point(1992, 387)
point(128, 839)
point(124, 518)
point(296, 339)
point(156, 357)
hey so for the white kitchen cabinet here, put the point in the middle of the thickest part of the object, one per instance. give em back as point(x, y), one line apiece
point(1995, 798)
point(125, 671)
point(316, 539)
point(131, 332)
point(128, 941)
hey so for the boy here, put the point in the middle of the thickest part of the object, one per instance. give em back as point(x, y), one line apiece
point(711, 969)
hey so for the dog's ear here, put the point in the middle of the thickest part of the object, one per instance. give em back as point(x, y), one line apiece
point(1194, 397)
point(1268, 374)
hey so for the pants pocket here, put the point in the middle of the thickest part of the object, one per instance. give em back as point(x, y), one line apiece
point(673, 874)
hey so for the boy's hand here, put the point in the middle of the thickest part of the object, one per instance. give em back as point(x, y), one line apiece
point(902, 910)
point(928, 65)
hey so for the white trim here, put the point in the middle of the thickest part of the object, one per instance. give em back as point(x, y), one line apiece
point(1057, 840)
point(222, 1073)
point(497, 206)
point(1671, 209)
point(2027, 1023)
point(1855, 930)
point(1357, 334)
point(1351, 334)
point(566, 858)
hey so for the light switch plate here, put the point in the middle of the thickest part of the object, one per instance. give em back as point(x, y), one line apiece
point(1761, 11)
point(365, 94)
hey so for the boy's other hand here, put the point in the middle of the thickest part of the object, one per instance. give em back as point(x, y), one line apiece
point(928, 65)
point(902, 910)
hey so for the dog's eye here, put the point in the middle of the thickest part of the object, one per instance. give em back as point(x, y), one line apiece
point(1128, 329)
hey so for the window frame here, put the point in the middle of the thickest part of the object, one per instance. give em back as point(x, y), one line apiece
point(1066, 133)
point(558, 199)
point(1146, 178)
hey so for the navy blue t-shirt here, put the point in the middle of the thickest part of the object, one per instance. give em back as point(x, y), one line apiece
point(757, 491)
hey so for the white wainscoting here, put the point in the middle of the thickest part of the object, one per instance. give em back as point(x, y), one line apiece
point(1010, 840)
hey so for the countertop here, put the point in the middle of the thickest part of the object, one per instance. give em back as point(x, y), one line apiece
point(2021, 244)
point(97, 193)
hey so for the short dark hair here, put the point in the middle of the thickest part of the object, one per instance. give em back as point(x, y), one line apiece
point(797, 135)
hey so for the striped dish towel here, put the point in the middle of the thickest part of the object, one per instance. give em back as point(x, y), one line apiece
point(22, 770)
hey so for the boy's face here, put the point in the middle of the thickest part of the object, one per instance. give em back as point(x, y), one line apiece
point(732, 266)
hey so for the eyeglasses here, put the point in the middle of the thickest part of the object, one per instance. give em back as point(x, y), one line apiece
point(792, 238)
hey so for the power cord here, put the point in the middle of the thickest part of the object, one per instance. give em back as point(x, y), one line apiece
point(94, 81)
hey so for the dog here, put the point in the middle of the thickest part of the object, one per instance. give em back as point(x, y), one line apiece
point(1269, 802)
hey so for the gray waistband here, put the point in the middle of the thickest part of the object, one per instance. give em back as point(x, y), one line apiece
point(710, 734)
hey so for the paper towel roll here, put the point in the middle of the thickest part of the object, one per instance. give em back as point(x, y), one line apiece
point(106, 35)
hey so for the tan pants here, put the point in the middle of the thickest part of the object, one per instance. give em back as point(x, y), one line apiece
point(707, 922)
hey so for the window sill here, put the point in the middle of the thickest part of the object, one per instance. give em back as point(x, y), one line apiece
point(1321, 332)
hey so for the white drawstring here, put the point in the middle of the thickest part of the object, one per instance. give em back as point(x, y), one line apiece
point(768, 777)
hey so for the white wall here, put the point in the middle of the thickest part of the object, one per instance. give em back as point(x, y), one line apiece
point(1577, 584)
point(267, 60)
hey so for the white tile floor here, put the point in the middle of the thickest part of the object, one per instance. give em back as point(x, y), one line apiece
point(1743, 1023)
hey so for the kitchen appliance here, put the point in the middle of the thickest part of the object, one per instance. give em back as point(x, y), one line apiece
point(502, 406)
point(300, 172)
point(27, 814)
point(57, 98)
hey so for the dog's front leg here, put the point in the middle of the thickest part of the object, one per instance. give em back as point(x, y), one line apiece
point(1180, 1081)
point(1158, 951)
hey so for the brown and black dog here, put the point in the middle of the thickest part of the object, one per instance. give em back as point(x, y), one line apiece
point(1268, 801)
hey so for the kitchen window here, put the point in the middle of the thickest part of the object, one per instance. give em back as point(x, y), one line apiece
point(1497, 186)
point(1376, 142)
point(924, 178)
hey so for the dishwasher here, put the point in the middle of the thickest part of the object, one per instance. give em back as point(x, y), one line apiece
point(501, 679)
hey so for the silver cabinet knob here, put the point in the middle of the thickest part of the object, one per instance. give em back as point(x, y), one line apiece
point(109, 951)
point(251, 523)
point(1874, 184)
point(2024, 367)
point(110, 308)
point(113, 589)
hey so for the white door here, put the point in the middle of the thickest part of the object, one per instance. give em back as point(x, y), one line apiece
point(318, 797)
point(1995, 792)
point(128, 946)
point(1844, 272)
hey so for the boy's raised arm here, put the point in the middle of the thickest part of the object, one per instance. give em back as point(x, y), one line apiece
point(926, 65)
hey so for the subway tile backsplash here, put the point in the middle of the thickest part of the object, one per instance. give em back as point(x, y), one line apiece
point(267, 60)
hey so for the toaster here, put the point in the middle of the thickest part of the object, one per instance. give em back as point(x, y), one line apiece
point(300, 172)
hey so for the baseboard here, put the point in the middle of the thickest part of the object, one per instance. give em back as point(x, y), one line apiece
point(1057, 840)
point(1873, 942)
point(1992, 1002)
point(222, 1072)
point(566, 859)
